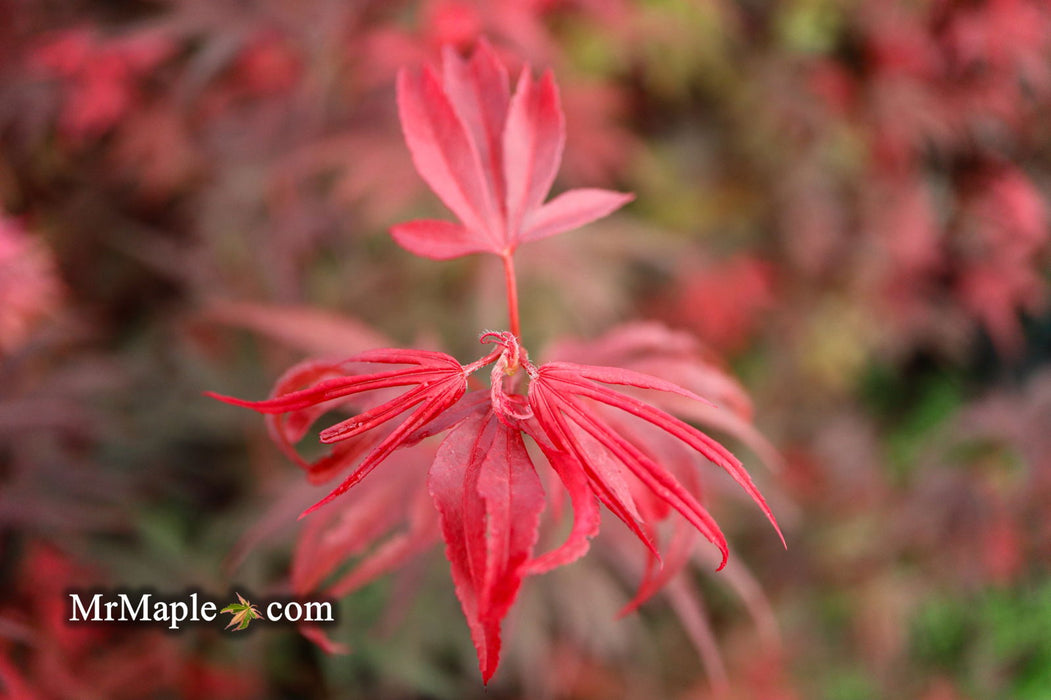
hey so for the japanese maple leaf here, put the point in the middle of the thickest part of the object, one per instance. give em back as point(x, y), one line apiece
point(438, 380)
point(483, 480)
point(490, 156)
point(243, 613)
point(563, 398)
point(489, 497)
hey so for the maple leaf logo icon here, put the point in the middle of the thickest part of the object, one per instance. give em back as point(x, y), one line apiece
point(243, 613)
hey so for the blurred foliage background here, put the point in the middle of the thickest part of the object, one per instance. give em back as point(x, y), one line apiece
point(845, 201)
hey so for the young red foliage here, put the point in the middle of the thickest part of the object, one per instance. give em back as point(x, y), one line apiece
point(490, 499)
point(439, 382)
point(490, 156)
point(555, 395)
point(483, 481)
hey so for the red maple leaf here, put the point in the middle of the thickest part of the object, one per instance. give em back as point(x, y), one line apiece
point(483, 480)
point(439, 382)
point(490, 156)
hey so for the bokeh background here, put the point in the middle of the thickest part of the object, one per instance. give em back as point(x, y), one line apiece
point(845, 201)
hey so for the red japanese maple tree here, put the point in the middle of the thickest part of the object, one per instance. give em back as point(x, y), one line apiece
point(491, 156)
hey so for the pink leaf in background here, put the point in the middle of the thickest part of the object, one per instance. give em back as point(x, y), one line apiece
point(653, 349)
point(490, 157)
point(29, 285)
point(102, 76)
point(385, 522)
point(301, 327)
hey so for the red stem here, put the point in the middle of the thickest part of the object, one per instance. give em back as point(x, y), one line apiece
point(512, 295)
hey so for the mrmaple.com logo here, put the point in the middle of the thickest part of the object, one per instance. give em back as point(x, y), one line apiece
point(148, 608)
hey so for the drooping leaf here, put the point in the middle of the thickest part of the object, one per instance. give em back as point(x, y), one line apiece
point(440, 382)
point(585, 509)
point(590, 458)
point(555, 395)
point(489, 499)
point(557, 381)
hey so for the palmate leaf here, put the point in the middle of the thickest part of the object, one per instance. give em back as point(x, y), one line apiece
point(555, 394)
point(653, 349)
point(439, 382)
point(482, 482)
point(601, 444)
point(490, 156)
point(243, 613)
